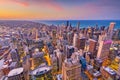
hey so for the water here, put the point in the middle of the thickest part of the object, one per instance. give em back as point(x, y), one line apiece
point(83, 23)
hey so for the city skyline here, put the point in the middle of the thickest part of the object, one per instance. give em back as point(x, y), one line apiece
point(60, 9)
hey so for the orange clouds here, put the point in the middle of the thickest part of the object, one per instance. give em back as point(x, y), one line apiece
point(21, 3)
point(57, 9)
point(54, 6)
point(50, 4)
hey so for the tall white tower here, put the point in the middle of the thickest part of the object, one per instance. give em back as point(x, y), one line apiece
point(75, 38)
point(110, 30)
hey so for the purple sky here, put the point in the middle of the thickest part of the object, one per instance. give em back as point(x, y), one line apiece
point(59, 9)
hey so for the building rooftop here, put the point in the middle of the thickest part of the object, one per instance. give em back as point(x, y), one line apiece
point(70, 62)
point(40, 70)
point(93, 40)
point(59, 77)
point(109, 70)
point(16, 71)
point(70, 47)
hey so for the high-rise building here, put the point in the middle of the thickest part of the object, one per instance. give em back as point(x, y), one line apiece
point(71, 70)
point(75, 39)
point(92, 46)
point(70, 37)
point(67, 23)
point(14, 55)
point(110, 30)
point(54, 63)
point(64, 34)
point(69, 51)
point(60, 58)
point(81, 43)
point(78, 26)
point(37, 59)
point(103, 49)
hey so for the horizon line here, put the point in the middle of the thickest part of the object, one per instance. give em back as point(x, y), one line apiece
point(56, 19)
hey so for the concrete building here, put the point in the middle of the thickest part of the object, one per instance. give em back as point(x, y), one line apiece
point(103, 49)
point(78, 26)
point(54, 63)
point(71, 70)
point(110, 30)
point(70, 37)
point(69, 51)
point(75, 39)
point(60, 58)
point(14, 55)
point(92, 46)
point(81, 43)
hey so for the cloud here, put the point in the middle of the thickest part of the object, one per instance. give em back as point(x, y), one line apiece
point(50, 4)
point(23, 3)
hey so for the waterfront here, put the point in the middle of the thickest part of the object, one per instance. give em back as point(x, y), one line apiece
point(83, 23)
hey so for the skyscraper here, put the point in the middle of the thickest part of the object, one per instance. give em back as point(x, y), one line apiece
point(67, 23)
point(71, 70)
point(69, 51)
point(81, 43)
point(103, 49)
point(75, 39)
point(54, 62)
point(92, 46)
point(78, 26)
point(110, 30)
point(14, 55)
point(60, 58)
point(70, 37)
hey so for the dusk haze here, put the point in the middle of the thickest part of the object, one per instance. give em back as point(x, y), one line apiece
point(60, 9)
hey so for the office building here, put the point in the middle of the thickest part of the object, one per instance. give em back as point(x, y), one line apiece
point(43, 72)
point(110, 30)
point(14, 55)
point(69, 51)
point(81, 43)
point(78, 26)
point(71, 70)
point(103, 49)
point(75, 39)
point(60, 58)
point(92, 46)
point(70, 37)
point(54, 63)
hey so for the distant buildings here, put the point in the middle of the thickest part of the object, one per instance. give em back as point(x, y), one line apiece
point(78, 26)
point(63, 52)
point(110, 30)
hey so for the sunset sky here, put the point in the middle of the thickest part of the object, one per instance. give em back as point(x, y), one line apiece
point(60, 9)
